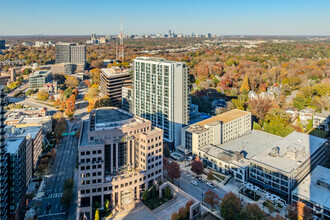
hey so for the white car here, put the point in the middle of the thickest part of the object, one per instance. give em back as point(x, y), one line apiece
point(210, 184)
point(201, 179)
point(194, 183)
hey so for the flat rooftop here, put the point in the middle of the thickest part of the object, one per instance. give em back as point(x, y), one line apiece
point(40, 73)
point(155, 59)
point(313, 187)
point(113, 72)
point(294, 142)
point(13, 144)
point(110, 115)
point(250, 144)
point(84, 136)
point(32, 130)
point(225, 117)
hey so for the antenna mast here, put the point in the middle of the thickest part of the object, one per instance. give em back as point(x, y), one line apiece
point(121, 38)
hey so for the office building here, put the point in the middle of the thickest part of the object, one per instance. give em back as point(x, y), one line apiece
point(127, 99)
point(78, 54)
point(314, 192)
point(17, 176)
point(39, 78)
point(4, 163)
point(161, 89)
point(2, 44)
point(281, 167)
point(69, 53)
point(216, 130)
point(119, 156)
point(111, 82)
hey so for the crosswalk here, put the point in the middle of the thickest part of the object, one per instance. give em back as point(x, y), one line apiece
point(55, 195)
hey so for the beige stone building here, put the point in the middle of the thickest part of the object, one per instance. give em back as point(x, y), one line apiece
point(216, 130)
point(119, 155)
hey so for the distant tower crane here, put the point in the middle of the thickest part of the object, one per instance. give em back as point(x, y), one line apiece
point(121, 55)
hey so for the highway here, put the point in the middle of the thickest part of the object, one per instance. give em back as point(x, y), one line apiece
point(63, 168)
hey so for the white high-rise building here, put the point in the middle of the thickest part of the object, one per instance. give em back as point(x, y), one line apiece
point(161, 89)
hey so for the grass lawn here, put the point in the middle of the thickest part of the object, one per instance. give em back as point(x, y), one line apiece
point(219, 176)
point(155, 202)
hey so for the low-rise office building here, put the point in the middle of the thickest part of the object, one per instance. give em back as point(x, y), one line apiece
point(322, 120)
point(119, 155)
point(281, 167)
point(314, 192)
point(216, 130)
point(39, 78)
point(111, 83)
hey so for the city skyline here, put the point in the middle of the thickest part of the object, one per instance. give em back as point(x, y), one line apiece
point(216, 17)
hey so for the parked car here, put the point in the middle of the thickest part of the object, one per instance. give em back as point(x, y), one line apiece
point(194, 183)
point(210, 184)
point(201, 179)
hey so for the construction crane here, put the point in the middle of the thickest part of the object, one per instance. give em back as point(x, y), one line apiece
point(121, 55)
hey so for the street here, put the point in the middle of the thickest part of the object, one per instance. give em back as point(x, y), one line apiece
point(62, 169)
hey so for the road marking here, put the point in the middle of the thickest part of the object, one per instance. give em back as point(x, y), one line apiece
point(59, 213)
point(55, 195)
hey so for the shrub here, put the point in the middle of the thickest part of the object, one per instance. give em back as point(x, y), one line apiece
point(175, 216)
point(145, 195)
point(182, 213)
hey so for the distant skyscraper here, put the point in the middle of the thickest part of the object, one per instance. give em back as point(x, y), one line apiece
point(93, 37)
point(161, 94)
point(2, 44)
point(209, 35)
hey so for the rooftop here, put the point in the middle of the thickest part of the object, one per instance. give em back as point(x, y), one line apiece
point(250, 144)
point(315, 187)
point(225, 117)
point(323, 114)
point(114, 71)
point(13, 144)
point(40, 73)
point(33, 131)
point(155, 59)
point(111, 115)
point(84, 136)
point(290, 152)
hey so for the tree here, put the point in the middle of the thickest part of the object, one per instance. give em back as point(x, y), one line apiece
point(57, 103)
point(27, 71)
point(182, 213)
point(230, 207)
point(173, 171)
point(175, 216)
point(91, 94)
point(153, 191)
point(197, 167)
point(96, 64)
point(59, 124)
point(95, 73)
point(71, 81)
point(166, 150)
point(106, 205)
point(188, 204)
point(145, 195)
point(245, 85)
point(42, 95)
point(260, 107)
point(167, 192)
point(299, 211)
point(97, 215)
point(278, 116)
point(20, 79)
point(256, 126)
point(70, 106)
point(210, 175)
point(277, 217)
point(253, 212)
point(103, 102)
point(211, 198)
point(67, 198)
point(165, 163)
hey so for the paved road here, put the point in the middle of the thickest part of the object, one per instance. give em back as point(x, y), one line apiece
point(62, 169)
point(196, 191)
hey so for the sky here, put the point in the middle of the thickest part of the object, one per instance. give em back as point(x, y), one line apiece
point(224, 17)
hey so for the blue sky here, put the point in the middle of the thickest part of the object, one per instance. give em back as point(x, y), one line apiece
point(238, 17)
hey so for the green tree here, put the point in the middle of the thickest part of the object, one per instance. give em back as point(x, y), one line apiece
point(20, 79)
point(42, 95)
point(230, 207)
point(167, 192)
point(145, 195)
point(97, 214)
point(27, 71)
point(256, 126)
point(153, 191)
point(67, 198)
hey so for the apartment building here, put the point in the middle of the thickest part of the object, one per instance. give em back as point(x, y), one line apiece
point(78, 54)
point(161, 89)
point(216, 130)
point(39, 78)
point(4, 167)
point(17, 176)
point(119, 156)
point(127, 98)
point(281, 167)
point(111, 82)
point(314, 192)
point(63, 52)
point(69, 57)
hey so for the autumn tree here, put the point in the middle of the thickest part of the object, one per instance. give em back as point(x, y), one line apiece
point(173, 171)
point(165, 163)
point(245, 85)
point(260, 107)
point(175, 216)
point(211, 198)
point(188, 205)
point(182, 213)
point(96, 64)
point(230, 207)
point(95, 73)
point(253, 212)
point(71, 81)
point(197, 167)
point(57, 102)
point(59, 124)
point(70, 106)
point(299, 211)
point(42, 95)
